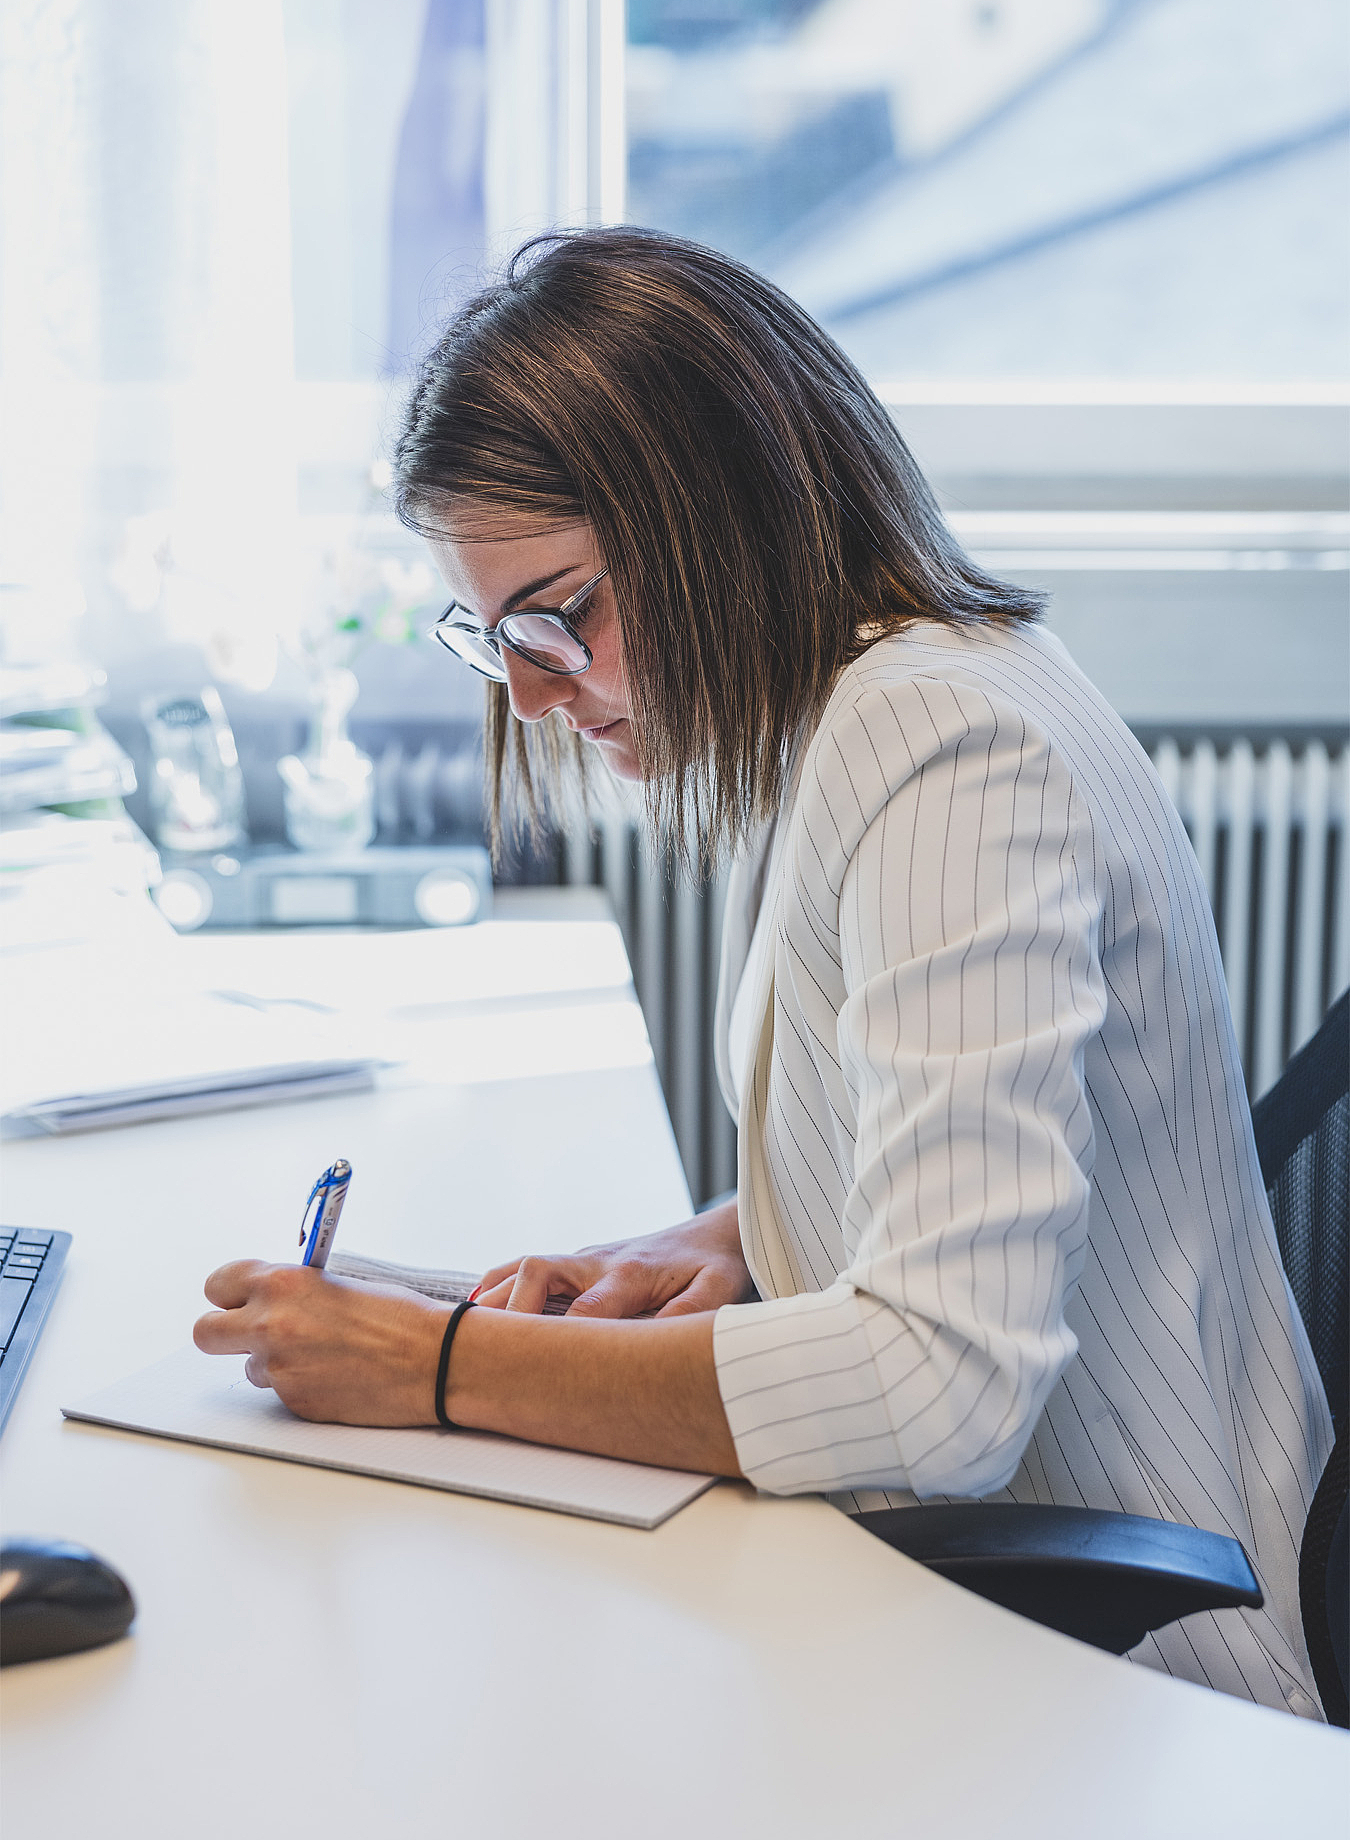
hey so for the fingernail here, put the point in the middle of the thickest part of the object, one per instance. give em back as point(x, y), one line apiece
point(473, 1294)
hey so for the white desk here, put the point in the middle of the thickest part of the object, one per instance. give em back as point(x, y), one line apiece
point(319, 1654)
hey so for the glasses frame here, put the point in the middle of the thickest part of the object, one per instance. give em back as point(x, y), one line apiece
point(495, 637)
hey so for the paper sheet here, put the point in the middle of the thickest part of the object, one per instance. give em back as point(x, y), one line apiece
point(205, 1399)
point(117, 1028)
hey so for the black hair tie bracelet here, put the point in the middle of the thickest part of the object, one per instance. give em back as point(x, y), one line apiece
point(443, 1365)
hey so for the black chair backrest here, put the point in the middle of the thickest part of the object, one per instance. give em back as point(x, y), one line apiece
point(1303, 1140)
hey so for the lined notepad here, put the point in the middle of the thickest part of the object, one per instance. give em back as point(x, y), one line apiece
point(205, 1399)
point(429, 1281)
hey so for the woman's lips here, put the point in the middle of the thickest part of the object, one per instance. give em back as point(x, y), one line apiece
point(600, 734)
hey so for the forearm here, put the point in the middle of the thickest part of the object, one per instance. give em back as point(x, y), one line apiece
point(597, 1379)
point(646, 1391)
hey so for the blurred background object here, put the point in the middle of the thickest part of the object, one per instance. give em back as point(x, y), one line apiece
point(329, 794)
point(64, 829)
point(1094, 254)
point(196, 788)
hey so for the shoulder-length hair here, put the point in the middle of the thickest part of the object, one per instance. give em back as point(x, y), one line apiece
point(762, 520)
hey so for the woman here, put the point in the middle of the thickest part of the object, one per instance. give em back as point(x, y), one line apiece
point(1000, 1230)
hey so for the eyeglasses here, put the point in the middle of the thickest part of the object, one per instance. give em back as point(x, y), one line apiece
point(542, 636)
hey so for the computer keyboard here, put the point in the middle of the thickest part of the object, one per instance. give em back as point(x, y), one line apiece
point(30, 1270)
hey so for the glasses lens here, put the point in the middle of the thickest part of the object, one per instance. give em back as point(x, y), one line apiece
point(544, 642)
point(473, 648)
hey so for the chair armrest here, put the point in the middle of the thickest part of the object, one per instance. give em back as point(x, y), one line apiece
point(1105, 1578)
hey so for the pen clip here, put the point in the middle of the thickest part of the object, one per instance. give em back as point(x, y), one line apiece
point(319, 1189)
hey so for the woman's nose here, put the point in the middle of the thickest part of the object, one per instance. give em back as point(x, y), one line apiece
point(534, 693)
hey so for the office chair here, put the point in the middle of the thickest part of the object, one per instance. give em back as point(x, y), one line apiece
point(1110, 1578)
point(1303, 1139)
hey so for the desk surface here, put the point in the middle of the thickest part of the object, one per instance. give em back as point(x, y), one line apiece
point(325, 1654)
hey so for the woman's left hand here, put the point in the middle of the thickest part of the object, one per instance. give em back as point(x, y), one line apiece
point(333, 1350)
point(683, 1271)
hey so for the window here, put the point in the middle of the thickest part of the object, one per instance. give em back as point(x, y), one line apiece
point(1016, 189)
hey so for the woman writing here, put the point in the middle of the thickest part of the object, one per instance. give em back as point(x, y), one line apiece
point(1000, 1230)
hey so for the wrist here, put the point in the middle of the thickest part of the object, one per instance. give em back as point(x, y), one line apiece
point(467, 1393)
point(412, 1371)
point(442, 1382)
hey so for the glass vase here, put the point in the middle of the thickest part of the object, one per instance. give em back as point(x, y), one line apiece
point(196, 788)
point(329, 789)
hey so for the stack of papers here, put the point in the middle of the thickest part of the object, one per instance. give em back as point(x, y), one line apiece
point(44, 686)
point(123, 1056)
point(108, 1022)
point(109, 855)
point(53, 750)
point(210, 1091)
point(54, 766)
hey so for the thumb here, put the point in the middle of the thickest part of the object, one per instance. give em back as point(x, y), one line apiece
point(709, 1290)
point(625, 1291)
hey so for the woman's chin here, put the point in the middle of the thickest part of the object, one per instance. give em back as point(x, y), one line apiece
point(615, 747)
point(621, 762)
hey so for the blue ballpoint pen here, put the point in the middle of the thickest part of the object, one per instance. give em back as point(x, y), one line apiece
point(330, 1191)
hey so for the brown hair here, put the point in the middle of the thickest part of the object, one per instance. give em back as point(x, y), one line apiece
point(762, 520)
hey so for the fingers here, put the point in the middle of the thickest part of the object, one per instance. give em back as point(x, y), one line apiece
point(708, 1290)
point(243, 1291)
point(231, 1286)
point(602, 1282)
point(537, 1280)
point(686, 1304)
point(498, 1297)
point(627, 1290)
point(492, 1279)
point(527, 1284)
point(221, 1333)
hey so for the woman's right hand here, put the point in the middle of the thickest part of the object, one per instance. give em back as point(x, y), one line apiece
point(695, 1266)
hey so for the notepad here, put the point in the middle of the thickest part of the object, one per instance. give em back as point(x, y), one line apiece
point(444, 1286)
point(205, 1399)
point(429, 1281)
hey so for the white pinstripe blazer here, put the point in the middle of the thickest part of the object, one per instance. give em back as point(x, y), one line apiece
point(997, 1183)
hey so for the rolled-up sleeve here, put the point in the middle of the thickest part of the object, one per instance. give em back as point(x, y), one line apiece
point(961, 880)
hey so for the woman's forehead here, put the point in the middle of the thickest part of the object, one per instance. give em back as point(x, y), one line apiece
point(470, 521)
point(486, 558)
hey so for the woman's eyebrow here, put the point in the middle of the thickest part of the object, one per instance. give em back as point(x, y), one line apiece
point(521, 594)
point(537, 587)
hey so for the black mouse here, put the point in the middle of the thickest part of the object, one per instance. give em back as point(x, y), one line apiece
point(56, 1598)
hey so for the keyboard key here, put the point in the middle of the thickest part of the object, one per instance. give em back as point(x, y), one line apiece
point(14, 1294)
point(27, 1237)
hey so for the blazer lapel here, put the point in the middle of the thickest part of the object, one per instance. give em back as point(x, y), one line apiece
point(738, 925)
point(767, 1247)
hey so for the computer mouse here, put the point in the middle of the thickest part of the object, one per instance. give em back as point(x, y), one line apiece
point(57, 1598)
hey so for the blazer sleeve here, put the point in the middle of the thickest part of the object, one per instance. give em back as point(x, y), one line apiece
point(947, 837)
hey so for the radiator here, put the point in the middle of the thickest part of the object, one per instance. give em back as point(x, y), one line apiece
point(1267, 818)
point(1267, 815)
